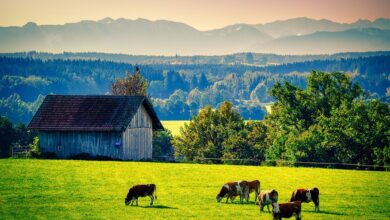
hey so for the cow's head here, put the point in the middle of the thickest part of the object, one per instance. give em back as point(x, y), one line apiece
point(127, 201)
point(222, 193)
point(129, 197)
point(275, 210)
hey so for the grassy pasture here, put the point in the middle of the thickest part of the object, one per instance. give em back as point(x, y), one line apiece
point(66, 189)
point(174, 126)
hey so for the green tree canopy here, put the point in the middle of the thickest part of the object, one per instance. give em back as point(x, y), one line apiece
point(328, 121)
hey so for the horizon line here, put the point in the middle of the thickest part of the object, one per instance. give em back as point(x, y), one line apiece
point(156, 20)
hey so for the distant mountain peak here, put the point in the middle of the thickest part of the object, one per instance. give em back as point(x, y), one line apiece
point(106, 20)
point(30, 24)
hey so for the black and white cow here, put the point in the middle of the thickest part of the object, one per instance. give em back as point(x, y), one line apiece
point(141, 191)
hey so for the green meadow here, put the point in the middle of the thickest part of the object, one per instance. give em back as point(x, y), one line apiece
point(174, 126)
point(69, 189)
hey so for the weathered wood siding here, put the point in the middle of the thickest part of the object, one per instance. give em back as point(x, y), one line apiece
point(138, 137)
point(135, 142)
point(66, 144)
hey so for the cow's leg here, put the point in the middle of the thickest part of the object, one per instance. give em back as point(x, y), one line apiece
point(151, 199)
point(268, 208)
point(227, 198)
point(297, 215)
point(256, 197)
point(131, 203)
point(232, 198)
point(317, 206)
point(261, 206)
point(136, 201)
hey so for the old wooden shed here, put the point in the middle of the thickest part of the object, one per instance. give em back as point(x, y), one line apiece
point(119, 127)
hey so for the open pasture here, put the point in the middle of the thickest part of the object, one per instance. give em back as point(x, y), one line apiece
point(66, 189)
point(174, 126)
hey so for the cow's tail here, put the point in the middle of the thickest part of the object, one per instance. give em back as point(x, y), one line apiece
point(155, 192)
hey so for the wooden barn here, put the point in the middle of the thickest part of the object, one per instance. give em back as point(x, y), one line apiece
point(119, 127)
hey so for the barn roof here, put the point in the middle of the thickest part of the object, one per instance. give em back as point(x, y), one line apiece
point(90, 113)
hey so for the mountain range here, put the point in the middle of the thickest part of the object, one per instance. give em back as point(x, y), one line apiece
point(162, 37)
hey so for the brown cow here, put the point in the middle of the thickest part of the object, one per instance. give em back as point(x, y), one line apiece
point(254, 186)
point(307, 195)
point(266, 198)
point(286, 210)
point(232, 189)
point(141, 191)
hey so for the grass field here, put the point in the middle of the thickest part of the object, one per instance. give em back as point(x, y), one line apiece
point(174, 126)
point(65, 189)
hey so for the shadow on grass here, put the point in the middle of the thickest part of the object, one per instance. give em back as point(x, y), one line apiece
point(238, 203)
point(158, 207)
point(326, 212)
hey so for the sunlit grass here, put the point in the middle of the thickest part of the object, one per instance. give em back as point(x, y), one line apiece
point(65, 189)
point(174, 126)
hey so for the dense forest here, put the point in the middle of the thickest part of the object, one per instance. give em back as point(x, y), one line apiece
point(257, 59)
point(177, 90)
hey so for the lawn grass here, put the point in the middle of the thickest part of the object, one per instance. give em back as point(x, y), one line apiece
point(174, 126)
point(66, 189)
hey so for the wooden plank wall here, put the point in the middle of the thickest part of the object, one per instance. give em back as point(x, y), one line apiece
point(138, 137)
point(66, 144)
point(136, 141)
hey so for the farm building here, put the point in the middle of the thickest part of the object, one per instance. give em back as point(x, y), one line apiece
point(119, 127)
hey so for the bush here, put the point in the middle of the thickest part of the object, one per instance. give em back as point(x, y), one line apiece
point(162, 146)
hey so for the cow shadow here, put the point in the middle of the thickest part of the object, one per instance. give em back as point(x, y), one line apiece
point(158, 207)
point(326, 212)
point(244, 203)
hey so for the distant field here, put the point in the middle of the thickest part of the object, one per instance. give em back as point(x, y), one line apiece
point(65, 189)
point(174, 126)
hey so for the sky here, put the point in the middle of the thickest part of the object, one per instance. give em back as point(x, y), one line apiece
point(201, 14)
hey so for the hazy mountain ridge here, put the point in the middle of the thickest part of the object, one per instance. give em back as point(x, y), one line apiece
point(303, 26)
point(164, 37)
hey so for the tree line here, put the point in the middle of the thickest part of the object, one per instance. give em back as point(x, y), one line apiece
point(331, 120)
point(177, 91)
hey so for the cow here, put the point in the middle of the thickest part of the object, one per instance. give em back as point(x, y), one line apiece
point(286, 210)
point(232, 189)
point(266, 198)
point(254, 186)
point(307, 195)
point(141, 191)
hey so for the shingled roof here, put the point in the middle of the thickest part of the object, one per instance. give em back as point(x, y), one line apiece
point(90, 113)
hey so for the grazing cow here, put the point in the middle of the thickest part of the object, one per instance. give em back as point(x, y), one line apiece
point(254, 186)
point(286, 210)
point(266, 198)
point(141, 191)
point(307, 195)
point(232, 189)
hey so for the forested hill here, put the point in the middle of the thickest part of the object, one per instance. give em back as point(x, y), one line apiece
point(178, 90)
point(256, 59)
